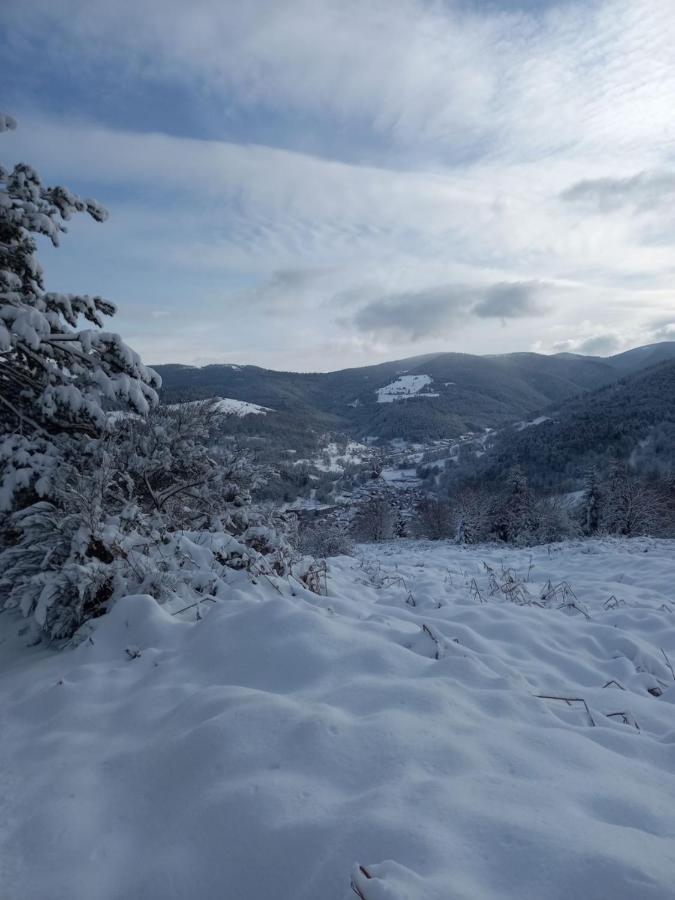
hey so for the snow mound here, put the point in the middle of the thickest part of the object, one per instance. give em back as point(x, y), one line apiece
point(446, 724)
point(404, 387)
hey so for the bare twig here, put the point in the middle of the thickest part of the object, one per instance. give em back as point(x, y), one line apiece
point(434, 638)
point(668, 663)
point(569, 701)
point(357, 890)
point(475, 591)
point(192, 605)
point(613, 603)
point(390, 580)
point(626, 717)
point(571, 604)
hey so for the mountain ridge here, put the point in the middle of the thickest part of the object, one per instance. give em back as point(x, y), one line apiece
point(465, 392)
point(630, 419)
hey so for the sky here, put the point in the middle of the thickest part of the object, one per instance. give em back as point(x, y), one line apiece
point(317, 184)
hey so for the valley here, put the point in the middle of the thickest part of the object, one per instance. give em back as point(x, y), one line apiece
point(408, 431)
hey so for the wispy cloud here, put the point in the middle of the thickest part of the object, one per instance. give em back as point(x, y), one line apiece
point(316, 158)
point(643, 191)
point(546, 76)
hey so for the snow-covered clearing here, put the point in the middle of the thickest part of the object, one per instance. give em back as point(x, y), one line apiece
point(405, 386)
point(333, 459)
point(521, 426)
point(265, 751)
point(231, 407)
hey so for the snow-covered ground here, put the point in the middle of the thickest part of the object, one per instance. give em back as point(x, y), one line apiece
point(521, 426)
point(459, 732)
point(335, 458)
point(354, 453)
point(400, 476)
point(231, 407)
point(405, 386)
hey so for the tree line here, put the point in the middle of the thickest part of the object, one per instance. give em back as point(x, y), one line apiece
point(618, 502)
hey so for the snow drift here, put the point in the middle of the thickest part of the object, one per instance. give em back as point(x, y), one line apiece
point(393, 734)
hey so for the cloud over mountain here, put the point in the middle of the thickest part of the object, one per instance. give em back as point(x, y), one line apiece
point(414, 315)
point(308, 171)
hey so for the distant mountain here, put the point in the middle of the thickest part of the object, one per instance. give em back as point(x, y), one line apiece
point(643, 357)
point(633, 419)
point(632, 360)
point(457, 392)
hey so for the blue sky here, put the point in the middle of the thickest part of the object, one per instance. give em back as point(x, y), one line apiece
point(312, 184)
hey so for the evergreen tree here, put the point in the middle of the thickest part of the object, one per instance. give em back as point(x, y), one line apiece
point(592, 502)
point(57, 379)
point(110, 523)
point(471, 516)
point(514, 518)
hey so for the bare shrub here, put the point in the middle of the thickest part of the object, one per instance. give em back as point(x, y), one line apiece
point(433, 519)
point(374, 520)
point(323, 538)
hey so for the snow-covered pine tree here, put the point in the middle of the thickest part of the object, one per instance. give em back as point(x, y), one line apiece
point(591, 506)
point(471, 511)
point(514, 518)
point(185, 472)
point(56, 378)
point(158, 505)
point(58, 381)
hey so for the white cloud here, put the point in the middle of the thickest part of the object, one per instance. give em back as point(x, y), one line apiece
point(567, 74)
point(490, 116)
point(643, 191)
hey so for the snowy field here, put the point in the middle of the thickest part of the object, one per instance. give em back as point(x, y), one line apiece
point(240, 408)
point(405, 386)
point(230, 407)
point(407, 732)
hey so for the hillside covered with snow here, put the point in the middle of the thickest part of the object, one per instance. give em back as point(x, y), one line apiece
point(444, 724)
point(404, 387)
point(229, 407)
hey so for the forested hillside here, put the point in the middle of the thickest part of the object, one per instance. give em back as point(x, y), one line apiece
point(465, 392)
point(633, 419)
